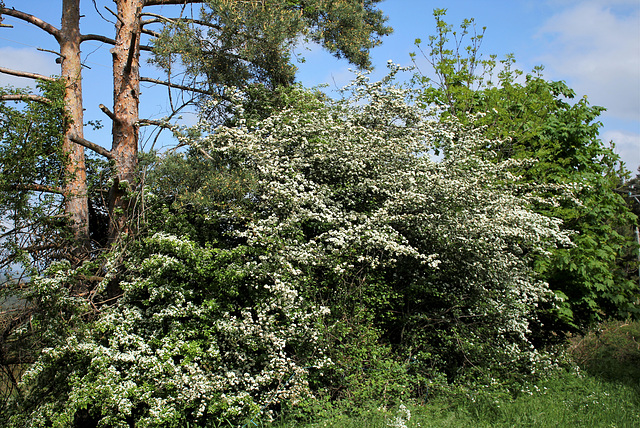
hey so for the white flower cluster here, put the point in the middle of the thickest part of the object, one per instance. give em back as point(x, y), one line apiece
point(401, 419)
point(351, 187)
point(171, 352)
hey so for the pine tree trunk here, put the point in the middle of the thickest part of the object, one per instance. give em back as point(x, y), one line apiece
point(75, 190)
point(126, 88)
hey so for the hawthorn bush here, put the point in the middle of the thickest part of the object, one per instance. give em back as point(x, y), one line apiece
point(318, 253)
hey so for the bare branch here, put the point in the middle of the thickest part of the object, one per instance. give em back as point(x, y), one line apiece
point(98, 38)
point(151, 33)
point(95, 6)
point(92, 146)
point(109, 41)
point(25, 74)
point(36, 188)
point(159, 123)
point(173, 85)
point(114, 14)
point(166, 2)
point(160, 18)
point(25, 97)
point(50, 51)
point(205, 154)
point(55, 32)
point(166, 121)
point(108, 112)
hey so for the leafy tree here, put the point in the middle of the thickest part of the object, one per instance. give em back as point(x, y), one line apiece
point(32, 183)
point(235, 44)
point(527, 117)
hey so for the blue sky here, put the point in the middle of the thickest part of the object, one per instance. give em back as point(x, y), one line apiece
point(593, 45)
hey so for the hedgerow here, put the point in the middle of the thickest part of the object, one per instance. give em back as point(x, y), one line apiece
point(338, 252)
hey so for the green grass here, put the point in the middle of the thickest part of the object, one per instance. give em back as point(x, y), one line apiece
point(605, 392)
point(568, 400)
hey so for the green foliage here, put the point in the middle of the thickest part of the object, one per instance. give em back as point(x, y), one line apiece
point(604, 392)
point(200, 336)
point(34, 135)
point(250, 42)
point(309, 256)
point(347, 197)
point(567, 399)
point(346, 29)
point(31, 165)
point(531, 118)
point(455, 65)
point(610, 351)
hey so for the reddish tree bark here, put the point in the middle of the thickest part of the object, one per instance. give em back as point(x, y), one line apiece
point(75, 191)
point(126, 90)
point(126, 80)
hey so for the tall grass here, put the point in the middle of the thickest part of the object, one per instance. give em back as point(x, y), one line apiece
point(602, 390)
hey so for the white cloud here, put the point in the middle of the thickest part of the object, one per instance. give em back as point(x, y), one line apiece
point(595, 45)
point(627, 145)
point(26, 59)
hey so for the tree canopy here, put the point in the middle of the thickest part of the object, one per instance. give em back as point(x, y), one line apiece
point(234, 44)
point(528, 117)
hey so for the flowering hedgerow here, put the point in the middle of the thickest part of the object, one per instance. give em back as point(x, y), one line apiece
point(438, 252)
point(179, 347)
point(348, 224)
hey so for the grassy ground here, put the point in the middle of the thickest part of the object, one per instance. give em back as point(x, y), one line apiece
point(605, 392)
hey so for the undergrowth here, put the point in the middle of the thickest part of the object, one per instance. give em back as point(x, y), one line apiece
point(600, 388)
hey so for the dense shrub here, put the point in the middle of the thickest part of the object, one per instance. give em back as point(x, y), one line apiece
point(345, 256)
point(200, 335)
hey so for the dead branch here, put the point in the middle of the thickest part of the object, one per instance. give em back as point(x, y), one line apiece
point(25, 97)
point(151, 33)
point(160, 18)
point(50, 51)
point(167, 2)
point(92, 146)
point(205, 154)
point(115, 15)
point(34, 187)
point(25, 74)
point(173, 85)
point(97, 38)
point(159, 123)
point(55, 32)
point(109, 41)
point(108, 112)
